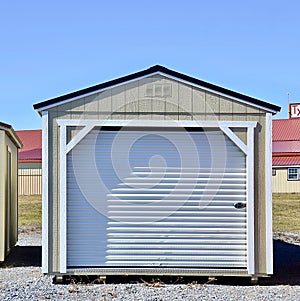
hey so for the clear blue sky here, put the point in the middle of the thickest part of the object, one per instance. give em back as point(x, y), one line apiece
point(50, 48)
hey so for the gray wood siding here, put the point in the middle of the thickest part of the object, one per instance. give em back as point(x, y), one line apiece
point(53, 191)
point(132, 101)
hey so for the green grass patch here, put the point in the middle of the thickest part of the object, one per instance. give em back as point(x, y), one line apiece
point(286, 212)
point(30, 210)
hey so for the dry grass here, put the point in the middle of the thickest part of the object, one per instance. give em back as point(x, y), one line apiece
point(286, 212)
point(30, 210)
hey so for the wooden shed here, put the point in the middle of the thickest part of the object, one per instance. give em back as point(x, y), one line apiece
point(9, 145)
point(157, 173)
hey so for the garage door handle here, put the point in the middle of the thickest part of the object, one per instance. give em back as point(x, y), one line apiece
point(239, 205)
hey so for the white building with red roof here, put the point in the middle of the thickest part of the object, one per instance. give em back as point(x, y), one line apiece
point(30, 162)
point(286, 156)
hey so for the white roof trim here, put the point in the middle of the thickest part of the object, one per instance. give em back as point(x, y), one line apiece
point(157, 123)
point(13, 136)
point(221, 94)
point(149, 75)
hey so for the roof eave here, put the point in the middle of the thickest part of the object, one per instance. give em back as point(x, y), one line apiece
point(11, 133)
point(30, 161)
point(44, 105)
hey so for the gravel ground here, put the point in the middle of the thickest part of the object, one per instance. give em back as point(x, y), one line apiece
point(21, 279)
point(288, 237)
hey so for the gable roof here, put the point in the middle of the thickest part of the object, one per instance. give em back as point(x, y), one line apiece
point(32, 146)
point(11, 133)
point(157, 69)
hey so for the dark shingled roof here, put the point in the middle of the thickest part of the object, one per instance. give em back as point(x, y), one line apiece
point(149, 71)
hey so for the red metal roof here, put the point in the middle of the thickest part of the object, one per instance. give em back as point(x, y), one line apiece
point(32, 146)
point(285, 160)
point(286, 130)
point(286, 142)
point(286, 146)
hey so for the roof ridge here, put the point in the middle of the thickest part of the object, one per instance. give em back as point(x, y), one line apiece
point(151, 70)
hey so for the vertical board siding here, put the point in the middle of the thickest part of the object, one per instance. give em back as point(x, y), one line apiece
point(53, 190)
point(8, 225)
point(131, 101)
point(281, 184)
point(14, 192)
point(30, 181)
point(2, 195)
point(185, 102)
point(260, 144)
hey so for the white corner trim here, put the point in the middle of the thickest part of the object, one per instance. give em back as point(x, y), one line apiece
point(63, 195)
point(250, 202)
point(45, 206)
point(235, 139)
point(78, 137)
point(268, 172)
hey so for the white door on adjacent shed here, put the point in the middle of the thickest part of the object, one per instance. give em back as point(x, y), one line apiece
point(156, 198)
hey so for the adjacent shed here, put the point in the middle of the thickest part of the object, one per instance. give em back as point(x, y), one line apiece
point(9, 145)
point(157, 172)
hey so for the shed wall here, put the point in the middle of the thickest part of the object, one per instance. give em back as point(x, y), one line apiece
point(2, 196)
point(130, 101)
point(14, 192)
point(281, 183)
point(5, 145)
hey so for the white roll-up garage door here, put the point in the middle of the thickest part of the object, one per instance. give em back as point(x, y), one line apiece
point(156, 198)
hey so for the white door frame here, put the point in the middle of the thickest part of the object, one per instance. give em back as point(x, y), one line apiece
point(225, 126)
